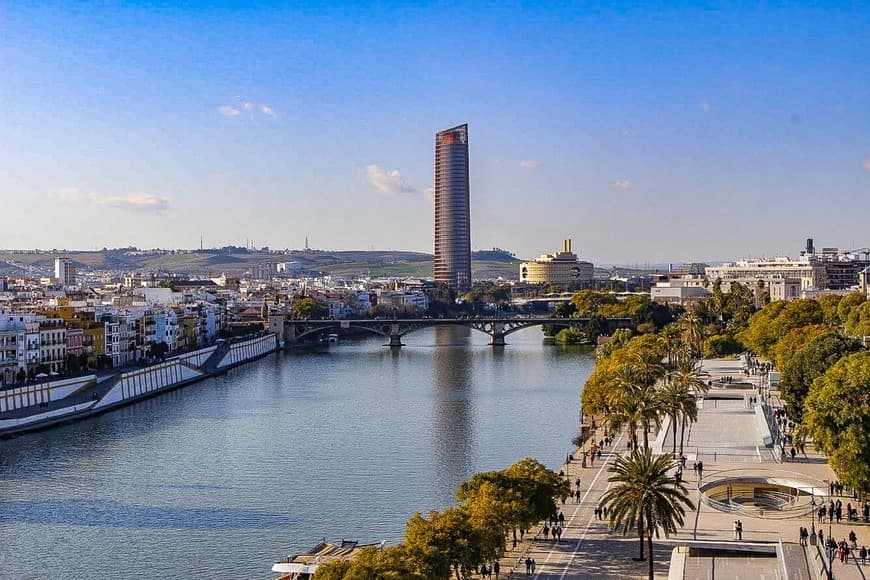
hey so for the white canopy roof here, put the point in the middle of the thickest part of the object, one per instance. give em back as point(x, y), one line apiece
point(294, 568)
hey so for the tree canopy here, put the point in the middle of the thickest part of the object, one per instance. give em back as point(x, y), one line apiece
point(310, 308)
point(775, 320)
point(809, 363)
point(837, 415)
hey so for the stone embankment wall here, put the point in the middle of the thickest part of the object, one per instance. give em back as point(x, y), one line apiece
point(30, 395)
point(154, 378)
point(249, 349)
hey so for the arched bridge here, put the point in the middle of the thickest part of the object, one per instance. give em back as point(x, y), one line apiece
point(395, 329)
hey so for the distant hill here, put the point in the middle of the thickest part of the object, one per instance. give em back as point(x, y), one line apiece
point(485, 264)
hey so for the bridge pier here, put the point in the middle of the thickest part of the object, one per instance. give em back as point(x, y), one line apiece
point(497, 334)
point(395, 341)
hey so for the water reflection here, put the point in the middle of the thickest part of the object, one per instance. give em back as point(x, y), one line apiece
point(453, 435)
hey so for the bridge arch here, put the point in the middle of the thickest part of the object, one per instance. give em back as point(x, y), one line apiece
point(496, 328)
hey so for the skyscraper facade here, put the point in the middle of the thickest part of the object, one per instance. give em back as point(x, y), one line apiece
point(452, 211)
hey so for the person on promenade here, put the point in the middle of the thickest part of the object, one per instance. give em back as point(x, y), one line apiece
point(735, 529)
point(739, 530)
point(577, 483)
point(562, 520)
point(863, 554)
point(496, 568)
point(700, 469)
point(534, 564)
point(528, 566)
point(546, 532)
point(853, 539)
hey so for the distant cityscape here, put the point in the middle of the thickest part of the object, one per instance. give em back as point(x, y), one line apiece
point(134, 306)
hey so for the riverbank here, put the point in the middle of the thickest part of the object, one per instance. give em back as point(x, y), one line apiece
point(34, 407)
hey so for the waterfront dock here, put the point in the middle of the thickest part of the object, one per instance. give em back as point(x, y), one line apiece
point(729, 441)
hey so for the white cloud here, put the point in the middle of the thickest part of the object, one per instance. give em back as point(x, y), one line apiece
point(130, 202)
point(429, 193)
point(388, 182)
point(251, 109)
point(867, 164)
point(705, 106)
point(622, 185)
point(530, 163)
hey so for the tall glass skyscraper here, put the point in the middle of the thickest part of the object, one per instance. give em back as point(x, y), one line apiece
point(452, 213)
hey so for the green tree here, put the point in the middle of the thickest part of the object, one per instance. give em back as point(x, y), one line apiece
point(837, 415)
point(588, 302)
point(679, 404)
point(829, 304)
point(796, 338)
point(721, 345)
point(848, 303)
point(857, 323)
point(646, 498)
point(571, 335)
point(310, 308)
point(444, 542)
point(774, 321)
point(693, 332)
point(672, 340)
point(809, 363)
point(529, 488)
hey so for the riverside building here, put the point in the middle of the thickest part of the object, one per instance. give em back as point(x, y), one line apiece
point(452, 211)
point(557, 268)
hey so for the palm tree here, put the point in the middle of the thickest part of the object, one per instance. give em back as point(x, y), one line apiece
point(648, 368)
point(691, 375)
point(646, 497)
point(671, 338)
point(693, 332)
point(625, 382)
point(680, 404)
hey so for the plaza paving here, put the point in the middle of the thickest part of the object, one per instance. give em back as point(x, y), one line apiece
point(728, 440)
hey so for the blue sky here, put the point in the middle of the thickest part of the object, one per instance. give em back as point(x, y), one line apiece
point(646, 134)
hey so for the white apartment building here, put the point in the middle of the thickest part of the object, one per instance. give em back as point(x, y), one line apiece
point(64, 272)
point(52, 344)
point(683, 291)
point(811, 273)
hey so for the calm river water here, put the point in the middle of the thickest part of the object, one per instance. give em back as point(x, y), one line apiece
point(222, 478)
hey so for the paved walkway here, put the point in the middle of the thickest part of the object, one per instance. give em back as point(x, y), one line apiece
point(728, 441)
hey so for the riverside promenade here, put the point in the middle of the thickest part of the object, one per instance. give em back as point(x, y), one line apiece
point(728, 440)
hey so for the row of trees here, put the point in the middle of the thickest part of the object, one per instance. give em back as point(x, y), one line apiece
point(456, 541)
point(636, 382)
point(825, 374)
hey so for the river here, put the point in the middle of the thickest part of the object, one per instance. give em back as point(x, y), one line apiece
point(222, 478)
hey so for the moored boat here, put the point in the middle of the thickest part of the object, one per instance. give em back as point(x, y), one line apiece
point(303, 566)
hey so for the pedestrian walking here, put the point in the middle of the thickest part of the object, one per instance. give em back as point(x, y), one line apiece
point(739, 530)
point(496, 568)
point(546, 532)
point(562, 519)
point(528, 566)
point(700, 469)
point(534, 564)
point(863, 554)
